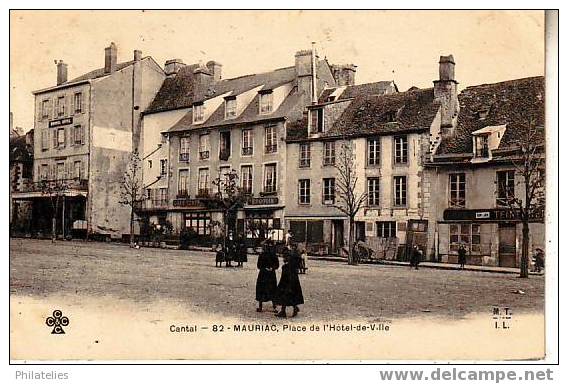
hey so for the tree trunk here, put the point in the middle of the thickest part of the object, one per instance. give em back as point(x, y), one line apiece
point(525, 251)
point(350, 242)
point(132, 226)
point(53, 228)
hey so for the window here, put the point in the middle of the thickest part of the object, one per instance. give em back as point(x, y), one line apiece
point(304, 191)
point(329, 153)
point(400, 191)
point(230, 107)
point(163, 197)
point(505, 187)
point(467, 234)
point(270, 178)
point(60, 107)
point(45, 109)
point(204, 147)
point(373, 151)
point(482, 146)
point(223, 171)
point(316, 120)
point(457, 190)
point(246, 179)
point(163, 167)
point(265, 102)
point(60, 171)
point(386, 229)
point(247, 142)
point(184, 149)
point(150, 164)
point(390, 116)
point(198, 223)
point(78, 135)
point(44, 172)
point(400, 150)
point(183, 181)
point(328, 191)
point(78, 102)
point(44, 140)
point(198, 112)
point(224, 145)
point(61, 138)
point(203, 182)
point(305, 155)
point(271, 139)
point(77, 169)
point(373, 191)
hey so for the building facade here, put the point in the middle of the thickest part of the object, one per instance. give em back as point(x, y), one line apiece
point(86, 129)
point(473, 172)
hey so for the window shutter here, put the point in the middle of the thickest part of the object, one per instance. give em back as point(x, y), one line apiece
point(54, 137)
point(82, 134)
point(72, 105)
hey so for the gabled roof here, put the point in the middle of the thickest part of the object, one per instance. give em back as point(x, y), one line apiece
point(176, 92)
point(368, 89)
point(100, 72)
point(510, 102)
point(371, 114)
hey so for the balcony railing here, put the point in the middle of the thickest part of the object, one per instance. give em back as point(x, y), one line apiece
point(203, 193)
point(271, 148)
point(224, 155)
point(247, 151)
point(153, 204)
point(203, 155)
point(61, 185)
point(269, 189)
point(184, 156)
point(329, 160)
point(305, 163)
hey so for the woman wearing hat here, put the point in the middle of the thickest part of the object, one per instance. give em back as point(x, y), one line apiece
point(267, 265)
point(289, 292)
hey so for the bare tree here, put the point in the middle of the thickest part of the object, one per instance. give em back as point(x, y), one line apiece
point(349, 200)
point(55, 190)
point(230, 198)
point(132, 189)
point(529, 161)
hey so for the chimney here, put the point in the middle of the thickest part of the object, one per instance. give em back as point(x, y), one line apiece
point(61, 72)
point(344, 74)
point(137, 55)
point(445, 92)
point(110, 58)
point(202, 78)
point(172, 66)
point(215, 70)
point(304, 63)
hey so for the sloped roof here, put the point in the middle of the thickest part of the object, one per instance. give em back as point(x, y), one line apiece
point(175, 92)
point(100, 72)
point(511, 102)
point(376, 88)
point(367, 114)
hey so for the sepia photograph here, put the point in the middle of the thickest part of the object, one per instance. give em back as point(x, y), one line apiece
point(287, 185)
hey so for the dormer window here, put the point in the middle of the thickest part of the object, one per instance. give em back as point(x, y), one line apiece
point(482, 146)
point(265, 102)
point(331, 98)
point(316, 120)
point(390, 116)
point(198, 112)
point(482, 112)
point(230, 107)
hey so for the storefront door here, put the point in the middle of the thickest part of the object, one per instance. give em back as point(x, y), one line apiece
point(337, 236)
point(507, 245)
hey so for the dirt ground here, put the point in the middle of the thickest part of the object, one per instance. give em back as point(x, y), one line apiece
point(332, 290)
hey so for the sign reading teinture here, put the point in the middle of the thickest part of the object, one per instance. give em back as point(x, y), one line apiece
point(492, 214)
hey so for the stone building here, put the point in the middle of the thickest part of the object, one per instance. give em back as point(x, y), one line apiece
point(21, 171)
point(85, 130)
point(201, 126)
point(473, 167)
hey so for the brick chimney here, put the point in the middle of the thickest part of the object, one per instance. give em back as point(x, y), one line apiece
point(110, 58)
point(137, 55)
point(303, 65)
point(445, 92)
point(215, 69)
point(172, 66)
point(61, 72)
point(202, 79)
point(344, 74)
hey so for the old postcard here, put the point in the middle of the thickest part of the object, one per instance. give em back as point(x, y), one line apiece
point(279, 185)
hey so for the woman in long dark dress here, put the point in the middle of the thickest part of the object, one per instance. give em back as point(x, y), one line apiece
point(289, 291)
point(267, 265)
point(241, 252)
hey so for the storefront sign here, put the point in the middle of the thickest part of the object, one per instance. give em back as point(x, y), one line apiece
point(187, 203)
point(262, 201)
point(60, 122)
point(493, 215)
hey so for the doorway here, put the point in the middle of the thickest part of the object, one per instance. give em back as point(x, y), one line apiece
point(508, 245)
point(337, 240)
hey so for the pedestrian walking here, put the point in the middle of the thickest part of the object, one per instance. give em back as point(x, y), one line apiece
point(462, 256)
point(415, 257)
point(289, 291)
point(241, 252)
point(303, 261)
point(267, 265)
point(288, 238)
point(219, 256)
point(229, 253)
point(538, 260)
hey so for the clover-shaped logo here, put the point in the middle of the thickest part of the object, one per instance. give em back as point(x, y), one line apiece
point(57, 321)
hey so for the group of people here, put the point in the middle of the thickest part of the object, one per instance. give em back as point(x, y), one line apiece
point(232, 251)
point(287, 292)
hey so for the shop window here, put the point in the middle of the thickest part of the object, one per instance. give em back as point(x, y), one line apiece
point(467, 234)
point(386, 229)
point(198, 223)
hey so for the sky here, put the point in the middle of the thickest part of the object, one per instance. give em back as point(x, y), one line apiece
point(404, 46)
